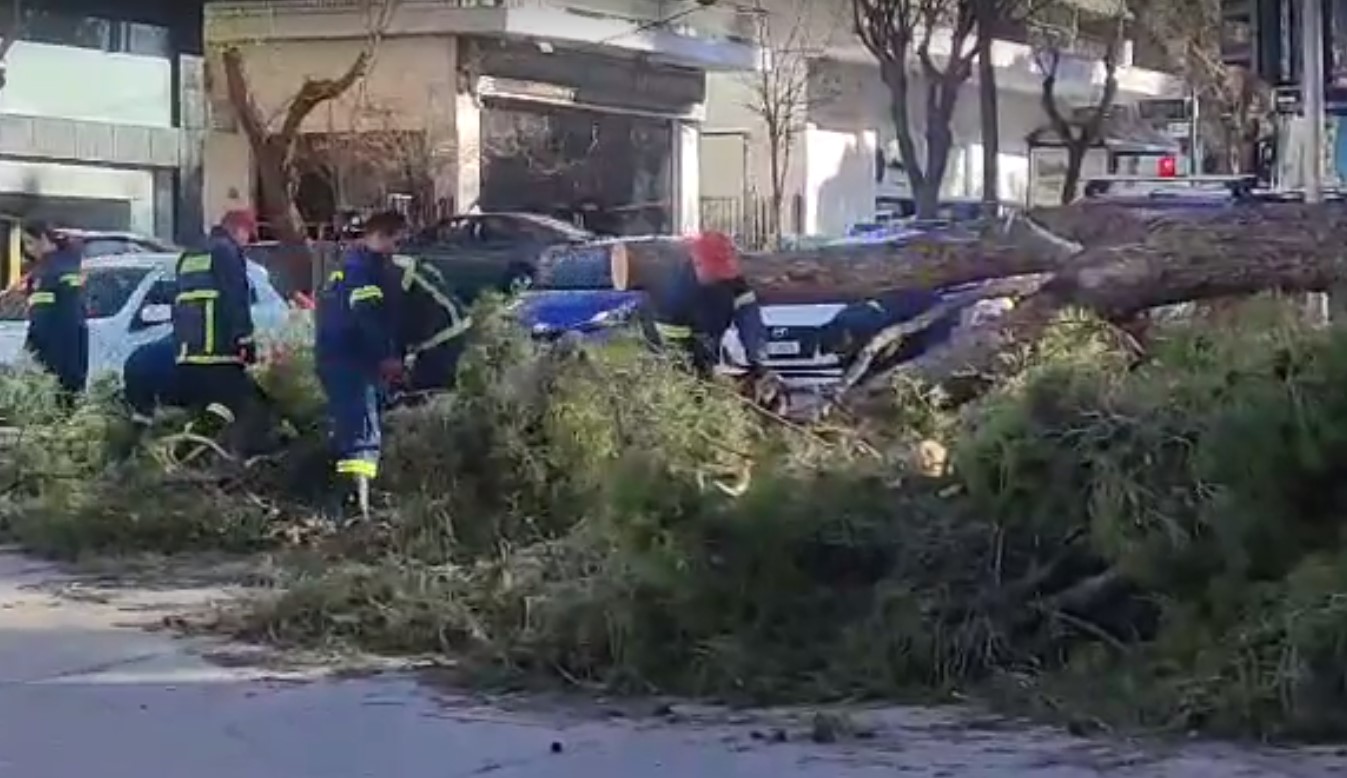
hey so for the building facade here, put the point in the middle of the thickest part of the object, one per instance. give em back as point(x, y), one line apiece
point(92, 116)
point(845, 166)
point(590, 110)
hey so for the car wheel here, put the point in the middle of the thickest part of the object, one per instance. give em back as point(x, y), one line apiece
point(518, 277)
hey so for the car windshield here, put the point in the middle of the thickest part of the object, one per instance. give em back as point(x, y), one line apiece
point(106, 291)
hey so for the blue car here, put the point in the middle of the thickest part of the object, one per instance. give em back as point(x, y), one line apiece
point(575, 294)
point(549, 313)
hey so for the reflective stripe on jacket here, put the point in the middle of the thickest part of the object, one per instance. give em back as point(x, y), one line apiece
point(355, 326)
point(212, 315)
point(58, 333)
point(693, 317)
point(428, 315)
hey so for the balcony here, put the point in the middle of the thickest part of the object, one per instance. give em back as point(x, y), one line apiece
point(1080, 74)
point(671, 32)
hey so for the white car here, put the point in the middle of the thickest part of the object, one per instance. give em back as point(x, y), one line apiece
point(130, 302)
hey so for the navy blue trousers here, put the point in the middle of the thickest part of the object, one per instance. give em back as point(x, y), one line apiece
point(353, 409)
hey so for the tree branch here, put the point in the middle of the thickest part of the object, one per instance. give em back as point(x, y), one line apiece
point(315, 92)
point(241, 98)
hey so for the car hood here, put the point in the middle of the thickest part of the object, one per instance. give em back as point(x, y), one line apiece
point(107, 352)
point(12, 337)
point(571, 309)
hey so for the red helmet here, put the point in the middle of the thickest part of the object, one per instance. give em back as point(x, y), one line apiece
point(241, 218)
point(714, 256)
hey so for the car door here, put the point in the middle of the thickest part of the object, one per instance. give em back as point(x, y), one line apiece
point(112, 340)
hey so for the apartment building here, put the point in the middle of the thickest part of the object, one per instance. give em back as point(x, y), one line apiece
point(845, 166)
point(586, 109)
point(92, 115)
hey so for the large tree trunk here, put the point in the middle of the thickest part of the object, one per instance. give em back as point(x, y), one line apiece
point(1217, 255)
point(274, 178)
point(1075, 161)
point(991, 124)
point(839, 274)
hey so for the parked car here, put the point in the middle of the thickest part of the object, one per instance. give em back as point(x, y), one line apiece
point(96, 243)
point(130, 303)
point(479, 252)
point(574, 293)
point(802, 347)
point(100, 243)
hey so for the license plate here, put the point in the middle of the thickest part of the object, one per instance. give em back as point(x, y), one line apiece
point(784, 348)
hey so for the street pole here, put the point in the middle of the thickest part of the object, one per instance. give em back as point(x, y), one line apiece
point(1312, 103)
point(1312, 86)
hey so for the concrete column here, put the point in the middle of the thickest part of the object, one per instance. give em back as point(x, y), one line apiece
point(189, 216)
point(467, 178)
point(686, 175)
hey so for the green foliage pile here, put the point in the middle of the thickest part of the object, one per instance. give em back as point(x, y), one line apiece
point(1160, 541)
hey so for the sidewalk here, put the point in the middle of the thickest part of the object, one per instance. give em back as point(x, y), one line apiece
point(85, 691)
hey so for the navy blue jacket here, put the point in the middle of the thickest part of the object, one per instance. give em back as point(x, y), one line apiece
point(212, 314)
point(694, 316)
point(355, 324)
point(58, 334)
point(150, 377)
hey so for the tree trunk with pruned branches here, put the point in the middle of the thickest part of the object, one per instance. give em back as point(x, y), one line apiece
point(895, 32)
point(274, 143)
point(1079, 135)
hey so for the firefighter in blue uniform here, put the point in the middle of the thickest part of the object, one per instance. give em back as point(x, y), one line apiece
point(689, 313)
point(150, 380)
point(430, 320)
point(432, 326)
point(58, 333)
point(356, 350)
point(213, 324)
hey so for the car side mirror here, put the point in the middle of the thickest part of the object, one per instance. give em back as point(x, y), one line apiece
point(156, 314)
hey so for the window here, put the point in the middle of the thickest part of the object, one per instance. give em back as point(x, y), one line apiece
point(87, 32)
point(111, 247)
point(497, 229)
point(107, 290)
point(162, 293)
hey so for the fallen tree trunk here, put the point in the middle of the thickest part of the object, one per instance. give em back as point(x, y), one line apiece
point(852, 273)
point(1292, 248)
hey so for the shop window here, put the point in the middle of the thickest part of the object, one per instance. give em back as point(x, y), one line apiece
point(87, 32)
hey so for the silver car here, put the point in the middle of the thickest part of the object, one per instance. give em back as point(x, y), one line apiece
point(130, 303)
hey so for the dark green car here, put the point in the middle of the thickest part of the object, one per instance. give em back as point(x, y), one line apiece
point(492, 251)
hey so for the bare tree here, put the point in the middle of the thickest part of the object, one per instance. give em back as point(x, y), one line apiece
point(274, 139)
point(1079, 130)
point(1189, 33)
point(782, 92)
point(896, 31)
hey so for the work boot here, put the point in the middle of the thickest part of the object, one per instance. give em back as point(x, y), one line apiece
point(352, 494)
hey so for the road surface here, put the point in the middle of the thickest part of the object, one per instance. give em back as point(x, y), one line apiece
point(86, 690)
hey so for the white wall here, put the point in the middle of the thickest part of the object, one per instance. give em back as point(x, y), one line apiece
point(73, 83)
point(136, 187)
point(846, 129)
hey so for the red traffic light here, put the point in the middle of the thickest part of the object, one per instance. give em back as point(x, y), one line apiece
point(1168, 167)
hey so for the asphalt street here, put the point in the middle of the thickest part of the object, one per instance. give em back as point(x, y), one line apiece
point(87, 690)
